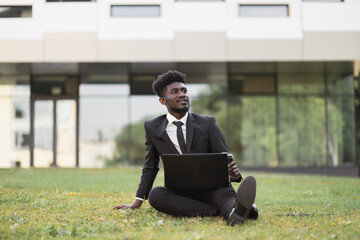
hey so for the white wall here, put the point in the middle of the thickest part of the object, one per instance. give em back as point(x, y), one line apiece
point(331, 31)
point(264, 28)
point(145, 28)
point(6, 138)
point(200, 16)
point(23, 28)
point(73, 17)
point(185, 31)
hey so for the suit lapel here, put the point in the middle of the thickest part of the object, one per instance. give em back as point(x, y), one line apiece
point(189, 131)
point(161, 129)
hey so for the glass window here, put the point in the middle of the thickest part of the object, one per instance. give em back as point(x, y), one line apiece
point(57, 85)
point(142, 108)
point(103, 90)
point(252, 78)
point(263, 10)
point(66, 133)
point(301, 78)
point(205, 79)
point(104, 113)
point(15, 114)
point(302, 131)
point(142, 76)
point(135, 10)
point(22, 140)
point(252, 130)
point(341, 128)
point(340, 113)
point(43, 124)
point(340, 78)
point(141, 84)
point(21, 117)
point(251, 84)
point(15, 11)
point(104, 73)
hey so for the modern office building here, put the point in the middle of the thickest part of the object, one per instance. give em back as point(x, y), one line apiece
point(280, 76)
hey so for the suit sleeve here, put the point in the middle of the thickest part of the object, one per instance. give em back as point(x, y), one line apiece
point(150, 167)
point(217, 141)
point(216, 138)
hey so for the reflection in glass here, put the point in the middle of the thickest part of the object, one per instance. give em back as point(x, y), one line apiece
point(339, 85)
point(21, 130)
point(143, 108)
point(103, 118)
point(302, 131)
point(263, 10)
point(20, 119)
point(301, 78)
point(135, 11)
point(252, 84)
point(43, 130)
point(20, 127)
point(341, 124)
point(253, 131)
point(5, 129)
point(301, 83)
point(272, 114)
point(66, 133)
point(15, 11)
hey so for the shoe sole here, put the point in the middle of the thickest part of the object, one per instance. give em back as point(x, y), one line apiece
point(245, 196)
point(235, 220)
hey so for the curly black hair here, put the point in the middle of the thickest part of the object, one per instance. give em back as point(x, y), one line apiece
point(165, 79)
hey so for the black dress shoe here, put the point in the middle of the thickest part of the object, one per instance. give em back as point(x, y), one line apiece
point(253, 214)
point(245, 198)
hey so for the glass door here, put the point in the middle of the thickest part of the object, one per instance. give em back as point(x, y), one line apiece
point(54, 133)
point(43, 133)
point(66, 133)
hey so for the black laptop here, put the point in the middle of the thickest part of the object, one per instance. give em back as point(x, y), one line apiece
point(196, 171)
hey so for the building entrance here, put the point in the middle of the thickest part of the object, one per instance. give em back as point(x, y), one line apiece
point(54, 123)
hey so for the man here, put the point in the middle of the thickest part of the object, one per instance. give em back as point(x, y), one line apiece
point(201, 134)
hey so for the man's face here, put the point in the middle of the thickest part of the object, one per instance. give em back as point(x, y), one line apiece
point(175, 98)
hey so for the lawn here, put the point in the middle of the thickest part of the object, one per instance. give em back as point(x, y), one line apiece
point(77, 203)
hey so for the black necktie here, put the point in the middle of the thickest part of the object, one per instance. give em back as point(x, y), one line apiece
point(180, 136)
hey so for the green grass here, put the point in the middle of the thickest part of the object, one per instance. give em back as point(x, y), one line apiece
point(77, 203)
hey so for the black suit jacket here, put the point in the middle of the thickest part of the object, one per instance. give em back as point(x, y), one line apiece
point(203, 135)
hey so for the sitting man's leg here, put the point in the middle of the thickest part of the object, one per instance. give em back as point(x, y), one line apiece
point(173, 203)
point(223, 199)
point(245, 198)
point(235, 208)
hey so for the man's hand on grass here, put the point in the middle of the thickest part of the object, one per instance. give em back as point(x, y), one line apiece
point(137, 204)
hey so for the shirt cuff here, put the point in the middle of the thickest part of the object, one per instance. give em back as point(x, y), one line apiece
point(139, 199)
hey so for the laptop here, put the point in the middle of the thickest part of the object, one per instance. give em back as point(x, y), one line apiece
point(196, 171)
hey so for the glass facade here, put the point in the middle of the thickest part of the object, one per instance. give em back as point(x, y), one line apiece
point(277, 114)
point(253, 130)
point(15, 115)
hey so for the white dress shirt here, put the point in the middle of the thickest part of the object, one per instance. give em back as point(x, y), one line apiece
point(171, 129)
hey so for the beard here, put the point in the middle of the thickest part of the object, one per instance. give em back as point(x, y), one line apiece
point(181, 110)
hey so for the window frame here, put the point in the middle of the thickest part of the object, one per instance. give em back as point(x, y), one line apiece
point(112, 6)
point(264, 5)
